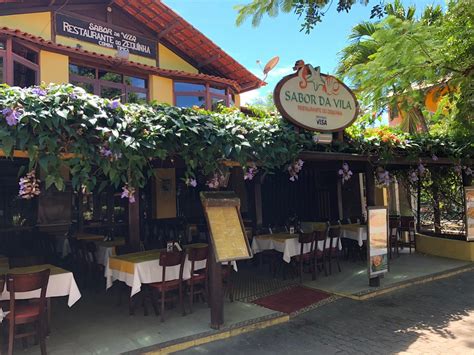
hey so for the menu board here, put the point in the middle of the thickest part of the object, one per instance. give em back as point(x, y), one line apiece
point(226, 229)
point(377, 240)
point(469, 193)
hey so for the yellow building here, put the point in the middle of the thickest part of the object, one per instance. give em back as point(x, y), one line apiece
point(133, 50)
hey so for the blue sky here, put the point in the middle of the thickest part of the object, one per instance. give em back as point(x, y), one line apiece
point(275, 36)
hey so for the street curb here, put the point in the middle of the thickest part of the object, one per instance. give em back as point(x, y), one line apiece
point(212, 335)
point(403, 284)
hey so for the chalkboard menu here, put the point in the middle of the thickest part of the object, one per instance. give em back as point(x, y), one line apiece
point(104, 35)
point(227, 232)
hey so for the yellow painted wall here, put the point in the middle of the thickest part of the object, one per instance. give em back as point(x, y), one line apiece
point(237, 100)
point(38, 24)
point(54, 68)
point(73, 42)
point(165, 193)
point(161, 89)
point(454, 249)
point(170, 60)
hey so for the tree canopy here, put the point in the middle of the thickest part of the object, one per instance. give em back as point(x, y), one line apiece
point(105, 142)
point(393, 62)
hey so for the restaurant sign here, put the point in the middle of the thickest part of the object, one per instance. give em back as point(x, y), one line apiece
point(104, 35)
point(315, 101)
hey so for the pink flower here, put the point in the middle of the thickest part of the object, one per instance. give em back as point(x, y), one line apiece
point(345, 173)
point(467, 170)
point(458, 169)
point(413, 176)
point(250, 173)
point(128, 192)
point(421, 168)
point(12, 116)
point(29, 186)
point(190, 182)
point(434, 157)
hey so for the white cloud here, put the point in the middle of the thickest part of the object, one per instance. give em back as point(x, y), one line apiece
point(249, 97)
point(280, 72)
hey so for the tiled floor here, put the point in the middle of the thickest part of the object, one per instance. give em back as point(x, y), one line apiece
point(97, 325)
point(353, 279)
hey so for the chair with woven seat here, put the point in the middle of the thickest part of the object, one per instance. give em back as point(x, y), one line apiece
point(320, 236)
point(198, 278)
point(331, 250)
point(307, 254)
point(168, 260)
point(407, 224)
point(394, 236)
point(26, 313)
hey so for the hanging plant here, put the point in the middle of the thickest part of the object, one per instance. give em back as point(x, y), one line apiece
point(382, 178)
point(29, 186)
point(345, 173)
point(294, 169)
point(250, 172)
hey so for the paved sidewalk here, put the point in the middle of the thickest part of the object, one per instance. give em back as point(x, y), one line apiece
point(433, 318)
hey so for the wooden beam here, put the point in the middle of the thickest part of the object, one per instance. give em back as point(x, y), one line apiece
point(167, 29)
point(134, 223)
point(208, 61)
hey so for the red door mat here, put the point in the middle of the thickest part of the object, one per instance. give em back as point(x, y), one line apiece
point(292, 299)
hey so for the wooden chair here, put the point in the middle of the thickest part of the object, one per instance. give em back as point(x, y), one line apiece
point(331, 250)
point(394, 236)
point(407, 224)
point(168, 260)
point(320, 236)
point(227, 278)
point(25, 313)
point(199, 277)
point(306, 240)
point(95, 270)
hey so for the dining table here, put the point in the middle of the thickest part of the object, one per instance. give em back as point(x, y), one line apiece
point(135, 269)
point(357, 232)
point(286, 243)
point(61, 283)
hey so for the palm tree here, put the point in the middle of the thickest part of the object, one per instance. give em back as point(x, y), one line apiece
point(364, 44)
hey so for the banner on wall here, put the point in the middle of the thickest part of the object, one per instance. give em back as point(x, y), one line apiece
point(377, 240)
point(469, 193)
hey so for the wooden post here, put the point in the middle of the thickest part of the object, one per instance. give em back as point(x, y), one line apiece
point(418, 207)
point(369, 185)
point(134, 223)
point(80, 211)
point(216, 295)
point(258, 203)
point(110, 212)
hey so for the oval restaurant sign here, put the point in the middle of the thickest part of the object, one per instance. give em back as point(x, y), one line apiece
point(315, 101)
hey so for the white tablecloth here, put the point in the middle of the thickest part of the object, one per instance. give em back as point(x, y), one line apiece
point(289, 246)
point(148, 272)
point(61, 283)
point(358, 233)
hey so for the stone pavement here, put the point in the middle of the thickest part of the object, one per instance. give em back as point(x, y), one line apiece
point(432, 318)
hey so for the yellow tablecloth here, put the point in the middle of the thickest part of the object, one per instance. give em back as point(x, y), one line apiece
point(87, 236)
point(313, 226)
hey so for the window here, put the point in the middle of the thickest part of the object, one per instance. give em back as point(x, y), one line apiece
point(18, 63)
point(109, 84)
point(200, 95)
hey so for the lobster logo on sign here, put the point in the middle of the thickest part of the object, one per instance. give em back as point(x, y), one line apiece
point(310, 75)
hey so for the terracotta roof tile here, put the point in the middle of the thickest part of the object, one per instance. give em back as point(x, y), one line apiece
point(130, 64)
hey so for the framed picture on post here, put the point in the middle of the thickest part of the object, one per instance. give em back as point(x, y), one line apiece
point(377, 241)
